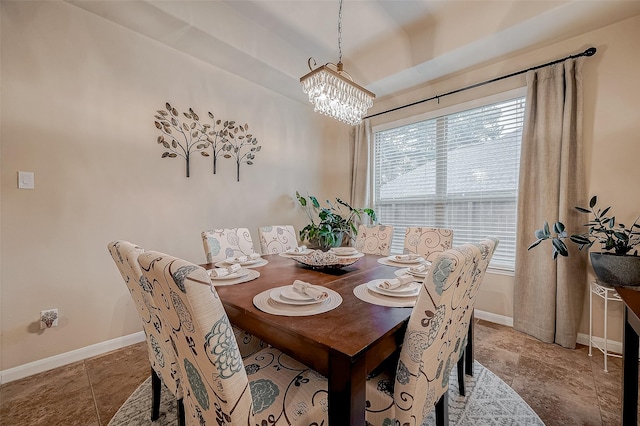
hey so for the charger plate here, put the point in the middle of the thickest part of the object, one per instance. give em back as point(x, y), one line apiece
point(252, 264)
point(364, 294)
point(265, 303)
point(252, 275)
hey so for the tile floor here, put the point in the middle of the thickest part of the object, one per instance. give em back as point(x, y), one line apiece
point(565, 387)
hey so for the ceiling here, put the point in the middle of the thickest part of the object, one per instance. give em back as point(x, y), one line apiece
point(387, 45)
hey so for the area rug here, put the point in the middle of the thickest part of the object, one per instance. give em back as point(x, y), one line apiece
point(489, 401)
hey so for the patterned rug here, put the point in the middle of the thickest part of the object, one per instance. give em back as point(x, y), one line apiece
point(489, 401)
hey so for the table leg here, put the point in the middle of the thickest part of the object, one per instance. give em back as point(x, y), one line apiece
point(629, 371)
point(347, 394)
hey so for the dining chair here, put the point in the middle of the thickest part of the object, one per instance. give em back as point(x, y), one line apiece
point(374, 239)
point(436, 334)
point(164, 368)
point(277, 239)
point(220, 387)
point(220, 244)
point(465, 361)
point(427, 242)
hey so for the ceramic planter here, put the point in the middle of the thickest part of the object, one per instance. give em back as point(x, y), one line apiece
point(615, 269)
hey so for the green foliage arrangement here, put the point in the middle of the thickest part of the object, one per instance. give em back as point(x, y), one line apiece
point(602, 229)
point(329, 226)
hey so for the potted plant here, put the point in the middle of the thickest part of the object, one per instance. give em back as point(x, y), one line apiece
point(618, 262)
point(333, 225)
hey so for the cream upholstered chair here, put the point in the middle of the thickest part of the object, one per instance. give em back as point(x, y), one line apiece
point(277, 238)
point(219, 388)
point(435, 337)
point(220, 244)
point(161, 355)
point(427, 242)
point(374, 239)
point(465, 362)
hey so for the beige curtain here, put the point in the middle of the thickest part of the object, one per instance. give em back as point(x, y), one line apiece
point(360, 168)
point(548, 294)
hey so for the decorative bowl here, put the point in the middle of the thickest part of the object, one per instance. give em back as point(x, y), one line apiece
point(319, 259)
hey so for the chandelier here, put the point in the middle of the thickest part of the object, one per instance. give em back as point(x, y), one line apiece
point(332, 91)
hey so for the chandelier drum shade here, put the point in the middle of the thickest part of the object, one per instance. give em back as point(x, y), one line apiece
point(332, 91)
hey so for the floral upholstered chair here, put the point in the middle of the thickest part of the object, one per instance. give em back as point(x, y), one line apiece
point(219, 386)
point(220, 244)
point(427, 242)
point(374, 239)
point(436, 335)
point(161, 355)
point(277, 239)
point(465, 362)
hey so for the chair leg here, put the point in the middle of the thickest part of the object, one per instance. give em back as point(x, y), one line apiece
point(469, 349)
point(442, 410)
point(181, 418)
point(461, 367)
point(156, 387)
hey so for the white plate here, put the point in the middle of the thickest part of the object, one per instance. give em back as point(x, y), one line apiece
point(290, 293)
point(276, 294)
point(230, 261)
point(238, 274)
point(392, 258)
point(410, 290)
point(415, 274)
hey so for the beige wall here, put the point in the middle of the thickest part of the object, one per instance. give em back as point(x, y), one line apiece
point(611, 128)
point(78, 98)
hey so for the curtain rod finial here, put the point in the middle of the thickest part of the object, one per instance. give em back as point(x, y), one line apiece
point(590, 51)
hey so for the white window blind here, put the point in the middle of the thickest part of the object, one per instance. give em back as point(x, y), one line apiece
point(457, 171)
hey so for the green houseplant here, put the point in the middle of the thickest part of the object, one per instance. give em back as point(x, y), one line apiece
point(617, 262)
point(332, 225)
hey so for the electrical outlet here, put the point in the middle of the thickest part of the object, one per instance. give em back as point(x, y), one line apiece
point(48, 318)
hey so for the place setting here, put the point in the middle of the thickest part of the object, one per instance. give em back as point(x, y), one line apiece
point(419, 271)
point(253, 260)
point(298, 299)
point(232, 274)
point(404, 260)
point(400, 292)
point(296, 251)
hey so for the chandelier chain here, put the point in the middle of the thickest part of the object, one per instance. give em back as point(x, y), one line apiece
point(340, 33)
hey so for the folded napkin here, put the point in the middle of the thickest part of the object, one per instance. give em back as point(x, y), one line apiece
point(397, 283)
point(252, 256)
point(308, 290)
point(300, 249)
point(418, 269)
point(411, 256)
point(223, 272)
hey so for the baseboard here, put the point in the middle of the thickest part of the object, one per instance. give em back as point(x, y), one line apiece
point(612, 345)
point(583, 339)
point(56, 361)
point(494, 318)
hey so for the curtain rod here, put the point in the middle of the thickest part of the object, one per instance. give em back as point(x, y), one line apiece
point(589, 52)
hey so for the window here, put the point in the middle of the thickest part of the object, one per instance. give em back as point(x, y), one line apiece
point(458, 170)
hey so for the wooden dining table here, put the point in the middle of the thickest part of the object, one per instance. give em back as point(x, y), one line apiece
point(343, 344)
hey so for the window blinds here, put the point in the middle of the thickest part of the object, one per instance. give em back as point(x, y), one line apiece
point(457, 171)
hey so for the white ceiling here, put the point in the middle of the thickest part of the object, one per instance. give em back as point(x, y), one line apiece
point(387, 45)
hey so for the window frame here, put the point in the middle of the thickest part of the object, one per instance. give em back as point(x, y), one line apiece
point(435, 113)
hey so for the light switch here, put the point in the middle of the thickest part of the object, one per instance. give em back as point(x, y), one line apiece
point(26, 180)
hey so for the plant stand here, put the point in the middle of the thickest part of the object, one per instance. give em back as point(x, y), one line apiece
point(607, 293)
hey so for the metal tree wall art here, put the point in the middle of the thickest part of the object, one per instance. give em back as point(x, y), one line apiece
point(238, 142)
point(217, 138)
point(180, 138)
